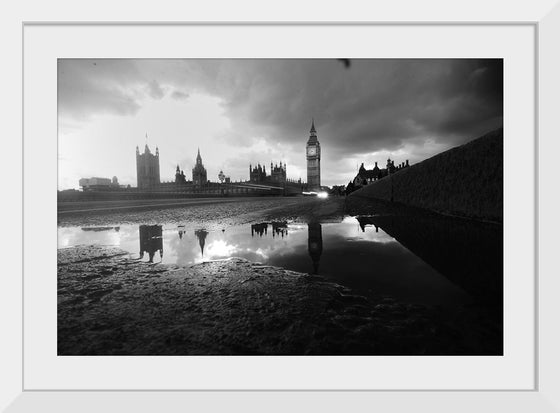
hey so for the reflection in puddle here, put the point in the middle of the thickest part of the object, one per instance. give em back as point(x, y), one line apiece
point(151, 241)
point(181, 229)
point(437, 262)
point(315, 244)
point(280, 228)
point(259, 229)
point(201, 235)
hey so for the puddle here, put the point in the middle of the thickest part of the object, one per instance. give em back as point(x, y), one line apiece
point(358, 253)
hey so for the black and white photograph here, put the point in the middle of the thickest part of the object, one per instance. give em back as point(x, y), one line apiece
point(273, 207)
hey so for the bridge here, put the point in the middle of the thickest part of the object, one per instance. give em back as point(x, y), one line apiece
point(246, 188)
point(172, 190)
point(287, 188)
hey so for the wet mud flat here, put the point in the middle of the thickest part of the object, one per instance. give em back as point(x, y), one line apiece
point(209, 212)
point(110, 303)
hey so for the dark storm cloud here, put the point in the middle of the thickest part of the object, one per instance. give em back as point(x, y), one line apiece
point(374, 105)
point(369, 106)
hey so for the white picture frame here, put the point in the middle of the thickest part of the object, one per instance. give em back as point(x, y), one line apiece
point(544, 17)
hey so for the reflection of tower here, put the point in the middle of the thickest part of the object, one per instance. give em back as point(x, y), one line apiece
point(260, 229)
point(201, 235)
point(151, 240)
point(181, 231)
point(280, 228)
point(315, 244)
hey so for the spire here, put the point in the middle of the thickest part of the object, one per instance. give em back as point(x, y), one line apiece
point(198, 157)
point(312, 132)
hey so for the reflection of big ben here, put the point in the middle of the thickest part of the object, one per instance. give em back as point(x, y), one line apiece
point(151, 240)
point(315, 244)
point(313, 152)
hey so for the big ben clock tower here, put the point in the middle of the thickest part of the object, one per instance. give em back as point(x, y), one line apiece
point(313, 152)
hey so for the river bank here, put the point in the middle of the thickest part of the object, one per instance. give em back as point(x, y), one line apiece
point(110, 303)
point(222, 211)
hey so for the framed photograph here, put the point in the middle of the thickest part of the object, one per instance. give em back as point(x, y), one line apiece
point(269, 207)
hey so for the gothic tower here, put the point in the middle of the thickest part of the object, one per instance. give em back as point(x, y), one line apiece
point(199, 175)
point(313, 152)
point(147, 168)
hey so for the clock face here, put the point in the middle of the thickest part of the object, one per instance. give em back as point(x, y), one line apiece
point(312, 150)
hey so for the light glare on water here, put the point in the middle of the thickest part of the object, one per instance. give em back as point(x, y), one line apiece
point(364, 258)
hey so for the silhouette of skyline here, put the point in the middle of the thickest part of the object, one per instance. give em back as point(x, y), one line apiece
point(428, 105)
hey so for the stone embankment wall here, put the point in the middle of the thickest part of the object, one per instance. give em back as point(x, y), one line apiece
point(465, 181)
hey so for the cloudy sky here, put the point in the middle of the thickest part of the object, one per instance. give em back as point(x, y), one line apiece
point(242, 111)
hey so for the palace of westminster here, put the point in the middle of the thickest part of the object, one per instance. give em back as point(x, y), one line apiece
point(148, 172)
point(275, 181)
